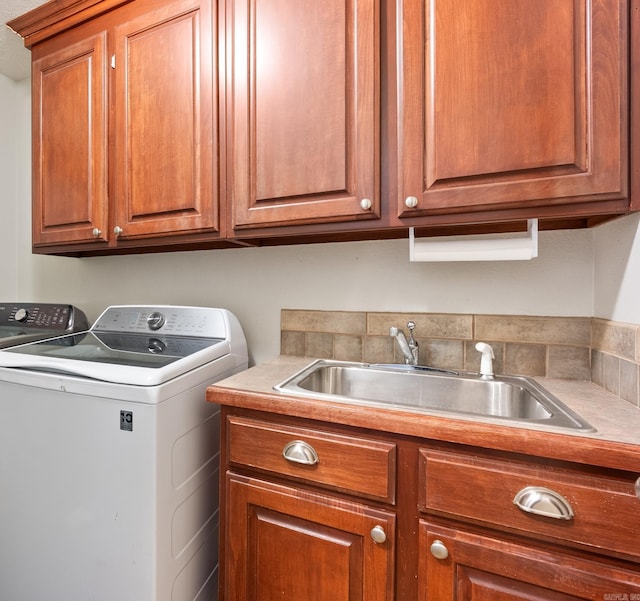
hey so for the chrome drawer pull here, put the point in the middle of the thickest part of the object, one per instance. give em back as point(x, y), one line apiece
point(298, 451)
point(543, 501)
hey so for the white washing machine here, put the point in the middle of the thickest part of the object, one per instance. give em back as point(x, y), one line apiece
point(109, 458)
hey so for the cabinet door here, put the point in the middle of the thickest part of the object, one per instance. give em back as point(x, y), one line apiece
point(507, 104)
point(165, 132)
point(303, 110)
point(287, 545)
point(69, 104)
point(479, 568)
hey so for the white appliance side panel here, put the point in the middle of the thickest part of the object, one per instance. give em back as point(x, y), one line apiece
point(188, 507)
point(77, 497)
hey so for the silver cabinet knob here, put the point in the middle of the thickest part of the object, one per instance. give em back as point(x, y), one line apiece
point(96, 233)
point(378, 535)
point(637, 488)
point(439, 550)
point(298, 451)
point(366, 204)
point(117, 230)
point(411, 202)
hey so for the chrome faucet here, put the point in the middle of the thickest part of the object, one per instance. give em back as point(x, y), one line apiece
point(486, 361)
point(409, 347)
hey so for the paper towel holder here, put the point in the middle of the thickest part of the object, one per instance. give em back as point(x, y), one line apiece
point(510, 246)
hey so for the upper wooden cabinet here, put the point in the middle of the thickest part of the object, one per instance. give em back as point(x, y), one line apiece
point(503, 106)
point(174, 122)
point(70, 148)
point(164, 120)
point(302, 126)
point(124, 127)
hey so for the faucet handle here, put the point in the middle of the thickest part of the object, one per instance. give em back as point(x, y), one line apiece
point(412, 341)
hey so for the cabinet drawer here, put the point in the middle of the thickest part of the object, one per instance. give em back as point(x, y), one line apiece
point(353, 464)
point(605, 509)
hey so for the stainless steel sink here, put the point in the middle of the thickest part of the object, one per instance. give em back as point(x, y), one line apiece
point(508, 398)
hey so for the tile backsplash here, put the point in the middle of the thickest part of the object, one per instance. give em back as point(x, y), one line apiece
point(578, 348)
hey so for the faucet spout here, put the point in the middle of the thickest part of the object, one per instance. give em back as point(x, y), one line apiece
point(486, 361)
point(409, 347)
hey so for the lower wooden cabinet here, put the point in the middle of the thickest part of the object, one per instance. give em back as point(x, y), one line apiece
point(283, 544)
point(357, 514)
point(456, 565)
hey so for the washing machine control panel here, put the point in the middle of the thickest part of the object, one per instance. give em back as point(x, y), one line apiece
point(169, 320)
point(43, 316)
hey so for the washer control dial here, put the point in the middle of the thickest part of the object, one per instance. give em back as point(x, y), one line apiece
point(156, 346)
point(155, 320)
point(21, 315)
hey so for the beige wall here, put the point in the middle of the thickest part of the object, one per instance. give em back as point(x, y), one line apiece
point(617, 270)
point(11, 129)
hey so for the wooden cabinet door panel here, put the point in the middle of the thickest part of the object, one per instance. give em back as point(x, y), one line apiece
point(164, 127)
point(482, 568)
point(283, 544)
point(70, 194)
point(303, 110)
point(512, 102)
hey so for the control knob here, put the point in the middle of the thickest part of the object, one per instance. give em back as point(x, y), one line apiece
point(155, 346)
point(155, 320)
point(21, 315)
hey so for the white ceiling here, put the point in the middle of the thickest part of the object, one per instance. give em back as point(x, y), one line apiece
point(15, 59)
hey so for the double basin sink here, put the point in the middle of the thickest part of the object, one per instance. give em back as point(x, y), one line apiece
point(515, 399)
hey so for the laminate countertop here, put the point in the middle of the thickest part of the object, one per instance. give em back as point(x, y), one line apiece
point(614, 444)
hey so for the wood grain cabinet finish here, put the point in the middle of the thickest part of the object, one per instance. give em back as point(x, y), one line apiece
point(124, 128)
point(483, 491)
point(357, 465)
point(303, 112)
point(451, 530)
point(480, 567)
point(70, 148)
point(233, 122)
point(280, 544)
point(165, 176)
point(505, 106)
point(305, 527)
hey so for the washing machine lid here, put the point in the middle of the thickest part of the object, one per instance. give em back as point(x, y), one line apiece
point(21, 323)
point(141, 345)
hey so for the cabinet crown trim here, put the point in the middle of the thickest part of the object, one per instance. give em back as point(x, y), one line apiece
point(57, 15)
